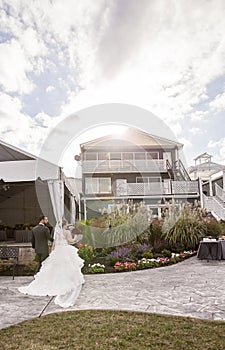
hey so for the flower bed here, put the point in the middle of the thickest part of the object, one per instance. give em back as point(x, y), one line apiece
point(128, 258)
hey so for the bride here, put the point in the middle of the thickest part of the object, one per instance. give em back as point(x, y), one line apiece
point(60, 274)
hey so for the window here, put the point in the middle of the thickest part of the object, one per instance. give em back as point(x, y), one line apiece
point(152, 155)
point(115, 156)
point(104, 185)
point(103, 156)
point(90, 156)
point(127, 155)
point(97, 185)
point(148, 179)
point(139, 155)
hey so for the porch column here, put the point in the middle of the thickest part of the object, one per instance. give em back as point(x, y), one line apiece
point(80, 218)
point(210, 187)
point(200, 192)
point(159, 213)
point(85, 210)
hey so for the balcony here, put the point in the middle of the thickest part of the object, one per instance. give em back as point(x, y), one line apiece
point(151, 189)
point(125, 166)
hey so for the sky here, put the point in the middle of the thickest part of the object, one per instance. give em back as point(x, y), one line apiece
point(166, 56)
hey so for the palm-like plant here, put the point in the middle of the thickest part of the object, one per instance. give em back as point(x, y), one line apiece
point(188, 229)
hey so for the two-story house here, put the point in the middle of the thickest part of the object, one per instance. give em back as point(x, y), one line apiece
point(133, 166)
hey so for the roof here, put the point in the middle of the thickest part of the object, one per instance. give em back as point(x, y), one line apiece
point(204, 155)
point(12, 153)
point(17, 165)
point(130, 138)
point(206, 169)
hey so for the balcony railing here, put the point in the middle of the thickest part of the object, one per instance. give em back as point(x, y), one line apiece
point(213, 205)
point(220, 192)
point(94, 166)
point(148, 189)
point(185, 187)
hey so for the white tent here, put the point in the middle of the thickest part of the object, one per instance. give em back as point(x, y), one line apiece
point(29, 186)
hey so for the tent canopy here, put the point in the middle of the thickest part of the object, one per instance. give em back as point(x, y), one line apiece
point(18, 165)
point(20, 174)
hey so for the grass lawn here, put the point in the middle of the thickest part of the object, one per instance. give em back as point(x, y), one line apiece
point(106, 330)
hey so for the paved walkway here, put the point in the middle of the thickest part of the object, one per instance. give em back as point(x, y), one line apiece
point(194, 288)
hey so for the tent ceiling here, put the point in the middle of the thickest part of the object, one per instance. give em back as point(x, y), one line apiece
point(8, 191)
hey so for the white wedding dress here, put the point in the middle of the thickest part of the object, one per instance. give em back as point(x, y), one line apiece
point(60, 274)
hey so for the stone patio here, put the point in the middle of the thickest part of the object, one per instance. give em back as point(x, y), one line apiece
point(193, 288)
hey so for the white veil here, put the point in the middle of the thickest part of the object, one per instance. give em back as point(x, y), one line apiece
point(59, 238)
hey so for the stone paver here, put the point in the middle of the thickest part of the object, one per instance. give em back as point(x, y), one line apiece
point(194, 288)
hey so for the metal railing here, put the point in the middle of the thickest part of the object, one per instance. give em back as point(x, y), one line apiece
point(180, 169)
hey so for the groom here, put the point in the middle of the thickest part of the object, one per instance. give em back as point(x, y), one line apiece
point(40, 237)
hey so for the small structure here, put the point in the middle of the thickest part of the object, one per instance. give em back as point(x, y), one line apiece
point(204, 167)
point(212, 181)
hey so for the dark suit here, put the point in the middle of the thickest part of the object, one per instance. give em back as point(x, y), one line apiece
point(40, 237)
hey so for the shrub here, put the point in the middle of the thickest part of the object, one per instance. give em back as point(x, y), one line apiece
point(96, 268)
point(123, 225)
point(213, 227)
point(100, 221)
point(103, 251)
point(166, 253)
point(86, 253)
point(146, 263)
point(139, 249)
point(147, 255)
point(120, 254)
point(222, 225)
point(175, 259)
point(112, 260)
point(188, 230)
point(155, 232)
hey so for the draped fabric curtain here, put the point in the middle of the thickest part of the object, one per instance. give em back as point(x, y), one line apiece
point(56, 191)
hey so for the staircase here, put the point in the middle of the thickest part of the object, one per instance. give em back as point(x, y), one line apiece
point(178, 173)
point(216, 204)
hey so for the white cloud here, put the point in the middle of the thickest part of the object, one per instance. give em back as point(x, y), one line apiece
point(196, 131)
point(163, 61)
point(156, 56)
point(198, 116)
point(218, 104)
point(43, 120)
point(13, 68)
point(32, 44)
point(213, 144)
point(219, 149)
point(50, 88)
point(20, 129)
point(185, 142)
